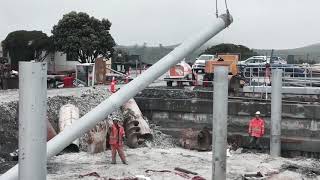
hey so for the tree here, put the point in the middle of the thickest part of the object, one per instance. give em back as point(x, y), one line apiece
point(120, 56)
point(83, 37)
point(231, 48)
point(25, 46)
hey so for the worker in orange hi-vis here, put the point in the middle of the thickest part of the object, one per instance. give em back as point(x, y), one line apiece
point(256, 130)
point(117, 134)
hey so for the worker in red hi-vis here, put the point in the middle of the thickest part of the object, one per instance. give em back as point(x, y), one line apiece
point(117, 134)
point(256, 130)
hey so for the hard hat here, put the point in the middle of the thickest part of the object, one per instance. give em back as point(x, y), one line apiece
point(258, 113)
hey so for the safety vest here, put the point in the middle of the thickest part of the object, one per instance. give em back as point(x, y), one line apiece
point(256, 127)
point(116, 135)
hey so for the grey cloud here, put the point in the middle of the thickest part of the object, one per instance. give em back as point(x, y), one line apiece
point(257, 23)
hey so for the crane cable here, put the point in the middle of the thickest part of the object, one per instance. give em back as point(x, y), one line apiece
point(217, 14)
point(227, 9)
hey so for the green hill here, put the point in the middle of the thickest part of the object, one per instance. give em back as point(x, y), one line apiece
point(304, 54)
point(151, 54)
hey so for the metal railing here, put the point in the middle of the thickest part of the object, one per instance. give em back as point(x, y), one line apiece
point(296, 76)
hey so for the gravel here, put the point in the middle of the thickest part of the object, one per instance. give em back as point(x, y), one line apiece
point(164, 92)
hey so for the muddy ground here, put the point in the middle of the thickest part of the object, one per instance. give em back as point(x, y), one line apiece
point(70, 166)
point(161, 154)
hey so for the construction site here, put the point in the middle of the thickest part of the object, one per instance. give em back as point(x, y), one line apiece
point(221, 116)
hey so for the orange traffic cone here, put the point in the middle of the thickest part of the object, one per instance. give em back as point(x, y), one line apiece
point(113, 85)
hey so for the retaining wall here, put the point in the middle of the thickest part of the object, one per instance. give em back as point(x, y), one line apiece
point(300, 122)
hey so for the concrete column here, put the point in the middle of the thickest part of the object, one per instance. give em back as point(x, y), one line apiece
point(32, 120)
point(276, 110)
point(220, 113)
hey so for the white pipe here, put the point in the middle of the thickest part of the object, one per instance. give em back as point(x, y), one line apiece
point(68, 115)
point(128, 91)
point(32, 121)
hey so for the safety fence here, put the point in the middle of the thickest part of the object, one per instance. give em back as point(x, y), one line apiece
point(295, 76)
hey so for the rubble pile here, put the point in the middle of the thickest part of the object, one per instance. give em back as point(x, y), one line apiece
point(85, 99)
point(8, 127)
point(167, 93)
point(160, 140)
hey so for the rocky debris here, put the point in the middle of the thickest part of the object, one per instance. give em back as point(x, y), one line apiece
point(88, 99)
point(8, 128)
point(160, 140)
point(307, 170)
point(164, 92)
point(84, 98)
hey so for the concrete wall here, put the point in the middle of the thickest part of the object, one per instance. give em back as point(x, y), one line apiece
point(300, 123)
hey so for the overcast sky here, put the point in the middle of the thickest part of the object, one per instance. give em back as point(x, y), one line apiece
point(257, 23)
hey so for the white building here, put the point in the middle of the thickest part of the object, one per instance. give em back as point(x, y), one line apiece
point(58, 62)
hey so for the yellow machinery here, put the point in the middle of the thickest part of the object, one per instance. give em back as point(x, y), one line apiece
point(231, 58)
point(234, 78)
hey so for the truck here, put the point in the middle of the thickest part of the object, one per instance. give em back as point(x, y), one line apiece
point(180, 73)
point(200, 63)
point(235, 80)
point(183, 73)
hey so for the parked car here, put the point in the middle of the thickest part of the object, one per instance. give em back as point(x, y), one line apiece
point(276, 60)
point(262, 61)
point(258, 63)
point(200, 63)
